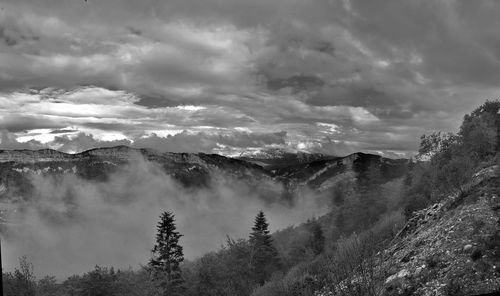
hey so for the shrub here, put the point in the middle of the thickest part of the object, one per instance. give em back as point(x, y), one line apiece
point(454, 287)
point(476, 254)
point(297, 282)
point(432, 261)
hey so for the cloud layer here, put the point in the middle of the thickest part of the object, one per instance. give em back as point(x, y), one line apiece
point(73, 224)
point(333, 76)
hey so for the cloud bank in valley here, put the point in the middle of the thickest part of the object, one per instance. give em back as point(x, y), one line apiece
point(71, 224)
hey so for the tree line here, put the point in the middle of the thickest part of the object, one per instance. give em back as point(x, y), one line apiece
point(237, 269)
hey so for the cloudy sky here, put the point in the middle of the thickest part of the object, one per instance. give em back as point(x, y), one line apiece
point(225, 76)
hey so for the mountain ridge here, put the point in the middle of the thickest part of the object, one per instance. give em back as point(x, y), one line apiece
point(190, 168)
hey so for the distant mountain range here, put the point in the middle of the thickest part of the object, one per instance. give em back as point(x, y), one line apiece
point(276, 157)
point(317, 171)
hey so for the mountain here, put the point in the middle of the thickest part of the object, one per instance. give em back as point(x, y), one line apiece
point(450, 247)
point(272, 158)
point(323, 174)
point(320, 171)
point(317, 171)
point(190, 169)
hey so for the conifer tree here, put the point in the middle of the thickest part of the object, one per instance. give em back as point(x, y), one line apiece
point(316, 238)
point(166, 256)
point(264, 256)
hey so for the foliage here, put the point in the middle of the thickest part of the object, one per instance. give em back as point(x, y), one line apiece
point(348, 269)
point(453, 158)
point(365, 205)
point(22, 281)
point(167, 254)
point(102, 281)
point(48, 286)
point(316, 238)
point(341, 191)
point(480, 130)
point(226, 272)
point(264, 258)
point(336, 254)
point(238, 268)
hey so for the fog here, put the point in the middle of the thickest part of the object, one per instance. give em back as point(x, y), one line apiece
point(71, 224)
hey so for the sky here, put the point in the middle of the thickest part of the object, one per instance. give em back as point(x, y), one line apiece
point(229, 76)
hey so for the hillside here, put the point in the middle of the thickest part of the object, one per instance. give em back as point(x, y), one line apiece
point(324, 174)
point(273, 158)
point(190, 169)
point(390, 227)
point(451, 247)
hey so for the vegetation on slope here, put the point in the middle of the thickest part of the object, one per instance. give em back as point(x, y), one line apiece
point(436, 232)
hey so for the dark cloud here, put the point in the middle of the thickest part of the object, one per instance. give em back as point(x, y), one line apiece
point(378, 68)
point(156, 101)
point(19, 123)
point(296, 82)
point(454, 39)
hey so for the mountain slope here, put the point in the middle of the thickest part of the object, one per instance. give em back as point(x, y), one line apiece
point(194, 169)
point(323, 174)
point(274, 158)
point(97, 164)
point(452, 247)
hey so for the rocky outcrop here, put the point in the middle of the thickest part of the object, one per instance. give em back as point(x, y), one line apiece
point(449, 248)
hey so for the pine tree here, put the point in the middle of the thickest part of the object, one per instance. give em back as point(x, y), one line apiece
point(264, 256)
point(167, 255)
point(316, 238)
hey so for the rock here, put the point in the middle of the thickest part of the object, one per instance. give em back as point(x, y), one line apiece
point(402, 273)
point(467, 247)
point(406, 258)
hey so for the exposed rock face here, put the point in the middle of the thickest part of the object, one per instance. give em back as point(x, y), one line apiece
point(467, 248)
point(450, 248)
point(401, 274)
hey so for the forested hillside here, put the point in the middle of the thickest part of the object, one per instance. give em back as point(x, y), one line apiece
point(433, 228)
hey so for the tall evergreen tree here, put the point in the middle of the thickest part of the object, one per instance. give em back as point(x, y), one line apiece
point(264, 256)
point(316, 238)
point(166, 256)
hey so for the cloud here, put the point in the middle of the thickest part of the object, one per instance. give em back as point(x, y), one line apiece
point(72, 224)
point(72, 141)
point(9, 141)
point(82, 142)
point(260, 65)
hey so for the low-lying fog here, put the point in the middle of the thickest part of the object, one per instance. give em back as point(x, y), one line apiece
point(73, 224)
